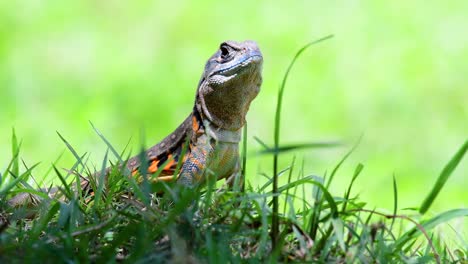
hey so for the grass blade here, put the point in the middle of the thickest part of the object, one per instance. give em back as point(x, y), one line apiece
point(275, 217)
point(67, 191)
point(243, 158)
point(341, 162)
point(289, 181)
point(326, 194)
point(101, 181)
point(14, 160)
point(5, 189)
point(15, 147)
point(357, 171)
point(291, 147)
point(43, 221)
point(270, 180)
point(430, 224)
point(395, 201)
point(443, 177)
point(109, 145)
point(263, 144)
point(72, 150)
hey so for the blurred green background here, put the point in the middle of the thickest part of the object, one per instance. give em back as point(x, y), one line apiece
point(395, 72)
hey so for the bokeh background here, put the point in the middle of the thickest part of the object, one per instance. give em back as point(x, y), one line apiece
point(395, 72)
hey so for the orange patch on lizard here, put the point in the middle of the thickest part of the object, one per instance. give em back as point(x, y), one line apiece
point(195, 125)
point(153, 167)
point(170, 163)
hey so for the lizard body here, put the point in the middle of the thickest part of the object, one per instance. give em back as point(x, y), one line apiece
point(230, 81)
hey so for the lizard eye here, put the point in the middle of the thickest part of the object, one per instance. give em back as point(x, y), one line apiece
point(226, 53)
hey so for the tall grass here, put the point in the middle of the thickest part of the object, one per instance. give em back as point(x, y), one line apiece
point(275, 223)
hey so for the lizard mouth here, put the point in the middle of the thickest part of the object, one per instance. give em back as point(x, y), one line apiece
point(236, 68)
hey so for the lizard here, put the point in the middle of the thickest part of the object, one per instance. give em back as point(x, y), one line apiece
point(231, 80)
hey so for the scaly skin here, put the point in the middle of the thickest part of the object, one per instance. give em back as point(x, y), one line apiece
point(230, 81)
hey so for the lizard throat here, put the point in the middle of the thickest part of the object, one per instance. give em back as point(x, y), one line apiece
point(222, 135)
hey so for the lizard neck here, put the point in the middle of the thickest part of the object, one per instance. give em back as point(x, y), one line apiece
point(222, 135)
point(209, 128)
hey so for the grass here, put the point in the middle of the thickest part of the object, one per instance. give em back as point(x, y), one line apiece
point(127, 221)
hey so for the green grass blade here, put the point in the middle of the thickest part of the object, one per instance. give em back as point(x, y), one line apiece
point(357, 171)
point(67, 191)
point(263, 212)
point(101, 181)
point(41, 223)
point(79, 161)
point(144, 187)
point(72, 150)
point(341, 162)
point(263, 144)
point(24, 182)
point(430, 224)
point(326, 194)
point(289, 181)
point(244, 158)
point(5, 189)
point(270, 180)
point(15, 148)
point(291, 147)
point(14, 160)
point(275, 217)
point(109, 145)
point(316, 191)
point(137, 190)
point(443, 177)
point(44, 176)
point(39, 193)
point(395, 201)
point(338, 227)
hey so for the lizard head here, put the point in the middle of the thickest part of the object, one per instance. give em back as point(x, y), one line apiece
point(230, 81)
